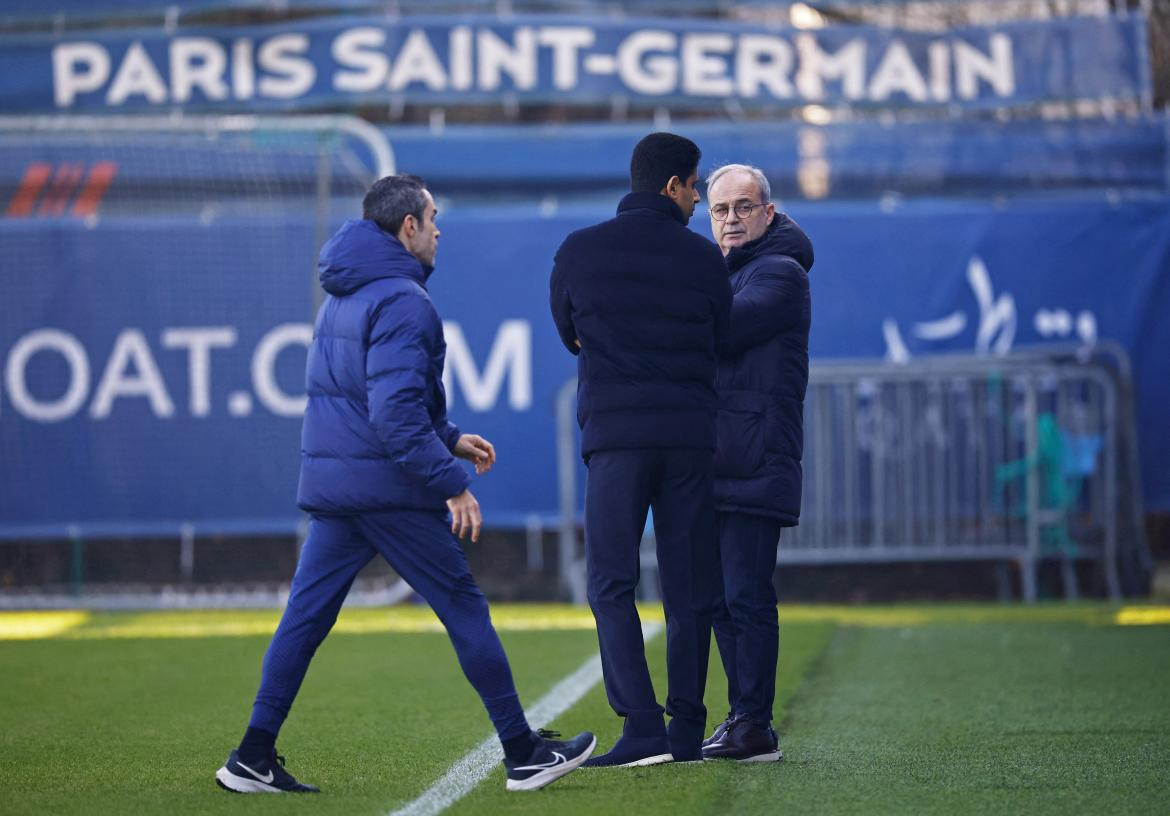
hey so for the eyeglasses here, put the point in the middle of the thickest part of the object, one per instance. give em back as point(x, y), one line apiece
point(742, 210)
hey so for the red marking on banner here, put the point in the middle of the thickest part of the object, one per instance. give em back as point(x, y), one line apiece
point(35, 176)
point(100, 177)
point(64, 183)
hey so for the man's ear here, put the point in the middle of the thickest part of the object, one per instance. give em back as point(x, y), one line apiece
point(671, 188)
point(408, 228)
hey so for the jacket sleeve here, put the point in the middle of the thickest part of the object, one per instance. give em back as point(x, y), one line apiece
point(448, 433)
point(397, 362)
point(562, 307)
point(722, 303)
point(771, 302)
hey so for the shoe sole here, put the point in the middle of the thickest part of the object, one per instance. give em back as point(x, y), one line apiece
point(241, 784)
point(771, 756)
point(657, 759)
point(547, 777)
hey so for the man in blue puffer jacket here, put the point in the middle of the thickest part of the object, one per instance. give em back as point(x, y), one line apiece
point(379, 476)
point(763, 373)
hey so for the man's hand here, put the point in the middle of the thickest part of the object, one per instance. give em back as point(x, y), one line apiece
point(465, 513)
point(477, 450)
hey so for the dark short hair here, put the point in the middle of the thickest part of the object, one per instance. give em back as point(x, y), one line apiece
point(660, 156)
point(390, 199)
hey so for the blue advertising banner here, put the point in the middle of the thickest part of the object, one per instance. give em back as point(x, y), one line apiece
point(152, 368)
point(576, 60)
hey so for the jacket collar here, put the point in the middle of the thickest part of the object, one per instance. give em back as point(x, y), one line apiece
point(782, 237)
point(655, 202)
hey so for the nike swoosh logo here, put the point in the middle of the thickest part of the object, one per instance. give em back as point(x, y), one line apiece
point(560, 760)
point(265, 779)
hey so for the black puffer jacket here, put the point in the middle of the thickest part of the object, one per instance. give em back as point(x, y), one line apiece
point(762, 375)
point(648, 299)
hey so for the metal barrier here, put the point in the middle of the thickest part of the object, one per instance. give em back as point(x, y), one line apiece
point(1016, 459)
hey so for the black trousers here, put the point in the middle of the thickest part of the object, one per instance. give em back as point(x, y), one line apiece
point(746, 626)
point(677, 484)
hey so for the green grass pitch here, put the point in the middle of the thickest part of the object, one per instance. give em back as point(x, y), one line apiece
point(917, 709)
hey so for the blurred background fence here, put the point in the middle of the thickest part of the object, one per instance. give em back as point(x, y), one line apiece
point(979, 179)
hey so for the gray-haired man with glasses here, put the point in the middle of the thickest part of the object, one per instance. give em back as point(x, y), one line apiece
point(760, 380)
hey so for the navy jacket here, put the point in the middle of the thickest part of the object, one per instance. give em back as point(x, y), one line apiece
point(376, 434)
point(649, 301)
point(763, 373)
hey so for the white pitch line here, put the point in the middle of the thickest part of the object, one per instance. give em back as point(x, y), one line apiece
point(468, 772)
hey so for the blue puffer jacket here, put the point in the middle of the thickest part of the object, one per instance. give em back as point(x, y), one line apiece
point(376, 434)
point(763, 373)
point(648, 300)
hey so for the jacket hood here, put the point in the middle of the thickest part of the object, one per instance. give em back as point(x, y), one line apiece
point(783, 237)
point(361, 252)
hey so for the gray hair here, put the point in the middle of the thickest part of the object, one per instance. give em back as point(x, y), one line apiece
point(392, 198)
point(756, 173)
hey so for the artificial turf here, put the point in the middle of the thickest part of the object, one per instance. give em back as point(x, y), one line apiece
point(883, 710)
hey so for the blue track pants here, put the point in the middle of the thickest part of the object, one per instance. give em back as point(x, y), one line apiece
point(420, 547)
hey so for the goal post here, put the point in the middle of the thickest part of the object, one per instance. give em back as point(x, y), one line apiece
point(160, 290)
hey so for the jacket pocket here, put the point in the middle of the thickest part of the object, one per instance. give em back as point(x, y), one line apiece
point(739, 434)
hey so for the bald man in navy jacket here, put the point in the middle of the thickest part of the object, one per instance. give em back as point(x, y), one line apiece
point(644, 303)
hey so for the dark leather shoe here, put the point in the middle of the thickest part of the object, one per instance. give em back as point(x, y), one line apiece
point(745, 741)
point(719, 731)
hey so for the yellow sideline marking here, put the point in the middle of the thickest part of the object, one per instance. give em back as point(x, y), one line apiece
point(38, 625)
point(77, 625)
point(1143, 615)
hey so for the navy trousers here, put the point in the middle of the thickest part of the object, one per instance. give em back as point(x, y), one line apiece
point(746, 626)
point(420, 547)
point(621, 486)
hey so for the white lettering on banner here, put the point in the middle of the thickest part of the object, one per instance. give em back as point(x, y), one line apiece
point(651, 75)
point(971, 65)
point(510, 355)
point(714, 65)
point(131, 349)
point(43, 340)
point(243, 72)
point(131, 370)
point(497, 56)
point(763, 62)
point(995, 328)
point(198, 62)
point(566, 42)
point(460, 58)
point(897, 74)
point(264, 368)
point(847, 65)
point(704, 72)
point(79, 67)
point(417, 62)
point(199, 342)
point(137, 76)
point(294, 75)
point(357, 49)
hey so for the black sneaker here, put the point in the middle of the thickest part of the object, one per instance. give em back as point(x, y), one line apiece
point(745, 741)
point(550, 760)
point(634, 752)
point(267, 776)
point(719, 731)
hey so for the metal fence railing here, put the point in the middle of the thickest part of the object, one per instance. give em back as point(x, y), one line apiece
point(1015, 460)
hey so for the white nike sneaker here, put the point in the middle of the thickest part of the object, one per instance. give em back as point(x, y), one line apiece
point(550, 760)
point(267, 776)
